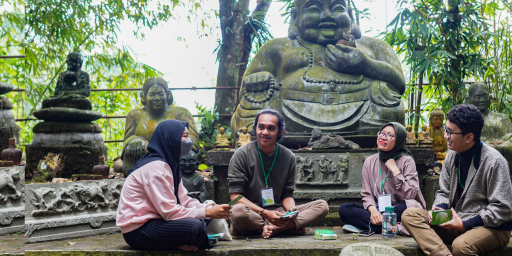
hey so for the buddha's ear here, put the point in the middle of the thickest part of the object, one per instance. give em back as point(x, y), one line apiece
point(355, 30)
point(170, 98)
point(293, 33)
point(142, 99)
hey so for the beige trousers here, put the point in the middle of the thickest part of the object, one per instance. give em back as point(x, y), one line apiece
point(244, 221)
point(433, 239)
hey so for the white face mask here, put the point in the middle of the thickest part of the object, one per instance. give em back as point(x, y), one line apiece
point(186, 146)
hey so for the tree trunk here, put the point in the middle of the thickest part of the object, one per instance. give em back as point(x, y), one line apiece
point(233, 15)
point(418, 104)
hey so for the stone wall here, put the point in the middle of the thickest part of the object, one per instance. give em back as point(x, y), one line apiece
point(71, 209)
point(12, 199)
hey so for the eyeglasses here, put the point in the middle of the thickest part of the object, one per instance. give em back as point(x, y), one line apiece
point(449, 132)
point(385, 136)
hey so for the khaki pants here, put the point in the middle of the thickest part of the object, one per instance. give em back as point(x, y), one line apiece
point(432, 239)
point(244, 221)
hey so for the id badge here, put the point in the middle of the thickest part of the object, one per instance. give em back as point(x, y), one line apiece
point(267, 197)
point(384, 201)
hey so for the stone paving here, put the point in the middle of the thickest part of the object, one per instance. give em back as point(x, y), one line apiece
point(13, 244)
point(114, 245)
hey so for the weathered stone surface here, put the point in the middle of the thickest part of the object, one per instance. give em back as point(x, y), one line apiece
point(370, 249)
point(67, 102)
point(5, 88)
point(114, 245)
point(71, 209)
point(5, 103)
point(8, 128)
point(66, 127)
point(67, 114)
point(12, 199)
point(81, 151)
point(319, 141)
point(13, 244)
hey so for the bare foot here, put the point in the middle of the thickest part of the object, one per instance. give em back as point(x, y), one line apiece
point(267, 231)
point(187, 248)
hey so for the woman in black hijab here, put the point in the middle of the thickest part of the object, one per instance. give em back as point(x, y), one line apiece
point(154, 211)
point(389, 174)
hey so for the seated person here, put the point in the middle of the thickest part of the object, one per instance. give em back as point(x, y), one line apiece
point(475, 185)
point(154, 210)
point(390, 172)
point(265, 164)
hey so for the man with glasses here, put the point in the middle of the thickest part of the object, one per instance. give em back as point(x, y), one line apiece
point(475, 184)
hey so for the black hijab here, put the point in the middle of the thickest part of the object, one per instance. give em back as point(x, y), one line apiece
point(165, 145)
point(399, 149)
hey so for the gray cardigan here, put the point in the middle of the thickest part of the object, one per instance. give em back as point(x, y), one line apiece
point(488, 190)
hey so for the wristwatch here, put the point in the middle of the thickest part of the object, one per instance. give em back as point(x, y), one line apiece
point(261, 212)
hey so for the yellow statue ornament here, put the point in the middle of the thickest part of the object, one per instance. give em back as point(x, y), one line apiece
point(244, 137)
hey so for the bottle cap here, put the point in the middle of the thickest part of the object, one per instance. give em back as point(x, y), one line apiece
point(390, 209)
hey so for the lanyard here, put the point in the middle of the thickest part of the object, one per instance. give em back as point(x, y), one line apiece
point(383, 180)
point(463, 188)
point(263, 166)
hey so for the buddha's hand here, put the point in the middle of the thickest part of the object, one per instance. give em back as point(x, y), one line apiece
point(345, 59)
point(136, 148)
point(258, 82)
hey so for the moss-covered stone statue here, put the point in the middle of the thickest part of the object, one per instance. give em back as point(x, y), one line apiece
point(436, 132)
point(222, 140)
point(424, 140)
point(192, 181)
point(411, 140)
point(243, 138)
point(318, 80)
point(142, 122)
point(497, 127)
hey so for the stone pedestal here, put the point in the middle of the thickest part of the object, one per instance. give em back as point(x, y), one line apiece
point(12, 199)
point(338, 182)
point(81, 148)
point(71, 209)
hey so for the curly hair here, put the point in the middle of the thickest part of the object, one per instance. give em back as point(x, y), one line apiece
point(468, 118)
point(280, 121)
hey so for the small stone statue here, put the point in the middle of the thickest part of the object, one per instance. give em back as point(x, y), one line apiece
point(325, 167)
point(341, 169)
point(222, 140)
point(192, 181)
point(8, 127)
point(156, 99)
point(12, 153)
point(328, 141)
point(436, 132)
point(424, 139)
point(101, 168)
point(411, 137)
point(74, 82)
point(243, 138)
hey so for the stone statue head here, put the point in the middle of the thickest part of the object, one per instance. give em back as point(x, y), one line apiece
point(437, 118)
point(478, 95)
point(409, 128)
point(188, 163)
point(74, 61)
point(424, 127)
point(221, 130)
point(155, 94)
point(244, 130)
point(316, 133)
point(322, 22)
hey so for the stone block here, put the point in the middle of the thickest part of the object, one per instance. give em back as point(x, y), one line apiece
point(71, 209)
point(370, 249)
point(430, 187)
point(12, 199)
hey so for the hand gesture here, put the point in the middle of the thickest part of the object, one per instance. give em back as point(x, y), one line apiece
point(376, 218)
point(258, 82)
point(136, 148)
point(344, 58)
point(222, 211)
point(391, 165)
point(454, 224)
point(273, 218)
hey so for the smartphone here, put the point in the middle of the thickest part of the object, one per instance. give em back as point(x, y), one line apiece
point(235, 200)
point(441, 216)
point(366, 233)
point(289, 215)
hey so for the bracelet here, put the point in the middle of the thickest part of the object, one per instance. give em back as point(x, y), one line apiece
point(261, 212)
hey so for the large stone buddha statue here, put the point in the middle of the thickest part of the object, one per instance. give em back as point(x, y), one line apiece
point(142, 122)
point(317, 79)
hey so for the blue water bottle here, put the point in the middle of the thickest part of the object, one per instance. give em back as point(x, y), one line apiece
point(389, 223)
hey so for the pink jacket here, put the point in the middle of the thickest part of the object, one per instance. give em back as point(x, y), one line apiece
point(148, 193)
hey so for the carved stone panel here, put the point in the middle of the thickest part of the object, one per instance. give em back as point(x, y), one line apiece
point(12, 199)
point(71, 209)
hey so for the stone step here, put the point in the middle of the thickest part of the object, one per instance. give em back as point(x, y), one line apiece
point(114, 245)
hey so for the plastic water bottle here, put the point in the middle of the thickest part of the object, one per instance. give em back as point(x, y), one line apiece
point(389, 223)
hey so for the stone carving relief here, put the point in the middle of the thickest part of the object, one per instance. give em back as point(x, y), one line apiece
point(76, 197)
point(337, 170)
point(8, 190)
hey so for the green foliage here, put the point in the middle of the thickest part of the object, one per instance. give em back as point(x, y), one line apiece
point(208, 125)
point(448, 46)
